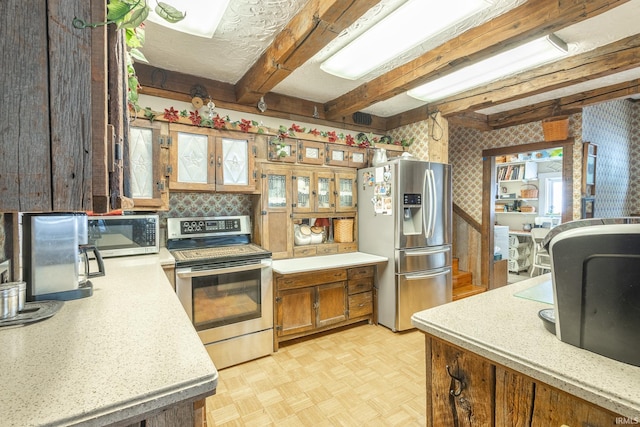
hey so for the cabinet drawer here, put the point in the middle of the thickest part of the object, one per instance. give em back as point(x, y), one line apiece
point(360, 304)
point(327, 249)
point(347, 247)
point(360, 285)
point(302, 251)
point(299, 280)
point(358, 272)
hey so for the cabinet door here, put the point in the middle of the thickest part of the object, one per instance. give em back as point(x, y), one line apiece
point(331, 304)
point(235, 162)
point(460, 387)
point(303, 191)
point(276, 228)
point(325, 192)
point(346, 196)
point(295, 311)
point(357, 157)
point(148, 159)
point(337, 155)
point(192, 159)
point(283, 151)
point(311, 152)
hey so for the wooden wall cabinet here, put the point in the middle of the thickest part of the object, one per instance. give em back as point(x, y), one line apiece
point(315, 301)
point(272, 216)
point(211, 160)
point(148, 168)
point(339, 155)
point(311, 152)
point(295, 193)
point(466, 389)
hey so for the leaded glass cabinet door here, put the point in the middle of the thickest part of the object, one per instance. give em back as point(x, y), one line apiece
point(235, 162)
point(303, 191)
point(325, 198)
point(275, 216)
point(192, 159)
point(346, 196)
point(147, 165)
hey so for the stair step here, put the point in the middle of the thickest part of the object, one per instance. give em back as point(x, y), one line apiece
point(455, 265)
point(462, 278)
point(467, 291)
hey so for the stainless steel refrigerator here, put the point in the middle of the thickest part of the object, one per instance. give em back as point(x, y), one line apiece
point(404, 214)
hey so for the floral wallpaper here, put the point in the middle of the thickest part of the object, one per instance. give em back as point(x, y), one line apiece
point(614, 127)
point(465, 154)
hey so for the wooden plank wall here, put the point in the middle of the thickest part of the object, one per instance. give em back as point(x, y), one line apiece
point(467, 248)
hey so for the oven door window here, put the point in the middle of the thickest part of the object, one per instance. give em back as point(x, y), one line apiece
point(224, 299)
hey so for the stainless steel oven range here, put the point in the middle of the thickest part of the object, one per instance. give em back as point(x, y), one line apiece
point(224, 283)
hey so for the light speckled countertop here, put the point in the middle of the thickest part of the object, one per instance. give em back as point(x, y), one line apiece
point(506, 329)
point(299, 265)
point(128, 349)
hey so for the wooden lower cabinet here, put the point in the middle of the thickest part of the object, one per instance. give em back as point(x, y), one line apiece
point(315, 301)
point(464, 389)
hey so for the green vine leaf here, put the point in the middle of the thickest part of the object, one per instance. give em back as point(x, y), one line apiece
point(137, 17)
point(117, 10)
point(169, 13)
point(137, 55)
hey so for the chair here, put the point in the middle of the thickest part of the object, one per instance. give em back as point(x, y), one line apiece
point(541, 258)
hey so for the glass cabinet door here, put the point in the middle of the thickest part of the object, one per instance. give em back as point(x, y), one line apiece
point(346, 192)
point(302, 191)
point(325, 200)
point(235, 165)
point(192, 159)
point(276, 191)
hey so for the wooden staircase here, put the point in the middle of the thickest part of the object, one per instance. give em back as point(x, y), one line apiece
point(463, 284)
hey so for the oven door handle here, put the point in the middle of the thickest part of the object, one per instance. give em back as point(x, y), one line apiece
point(187, 272)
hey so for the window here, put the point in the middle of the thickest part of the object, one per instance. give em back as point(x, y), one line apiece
point(552, 197)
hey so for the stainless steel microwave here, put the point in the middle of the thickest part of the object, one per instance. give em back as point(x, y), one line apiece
point(121, 235)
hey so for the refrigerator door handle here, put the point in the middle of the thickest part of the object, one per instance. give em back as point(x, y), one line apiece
point(434, 203)
point(427, 276)
point(426, 212)
point(430, 181)
point(421, 253)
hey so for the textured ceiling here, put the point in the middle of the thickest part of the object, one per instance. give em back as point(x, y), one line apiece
point(250, 26)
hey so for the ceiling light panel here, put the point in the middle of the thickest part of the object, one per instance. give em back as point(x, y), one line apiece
point(403, 29)
point(526, 56)
point(202, 17)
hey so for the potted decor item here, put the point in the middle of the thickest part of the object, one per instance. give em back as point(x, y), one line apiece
point(556, 128)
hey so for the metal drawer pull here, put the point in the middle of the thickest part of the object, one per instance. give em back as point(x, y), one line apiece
point(427, 276)
point(420, 253)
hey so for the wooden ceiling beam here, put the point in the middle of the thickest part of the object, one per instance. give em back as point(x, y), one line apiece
point(603, 61)
point(526, 22)
point(317, 24)
point(566, 105)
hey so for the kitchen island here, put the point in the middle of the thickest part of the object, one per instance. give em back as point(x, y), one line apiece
point(127, 353)
point(490, 358)
point(320, 293)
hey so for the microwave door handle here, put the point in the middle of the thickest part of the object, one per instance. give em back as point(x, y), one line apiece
point(187, 272)
point(427, 276)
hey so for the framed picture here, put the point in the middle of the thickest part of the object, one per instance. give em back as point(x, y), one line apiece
point(590, 178)
point(589, 156)
point(587, 207)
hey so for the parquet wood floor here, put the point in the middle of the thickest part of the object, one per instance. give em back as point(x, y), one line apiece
point(362, 375)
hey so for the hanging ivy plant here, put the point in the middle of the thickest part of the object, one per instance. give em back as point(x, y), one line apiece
point(130, 16)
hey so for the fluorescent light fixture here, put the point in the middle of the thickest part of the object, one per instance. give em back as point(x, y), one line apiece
point(201, 16)
point(403, 29)
point(512, 61)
